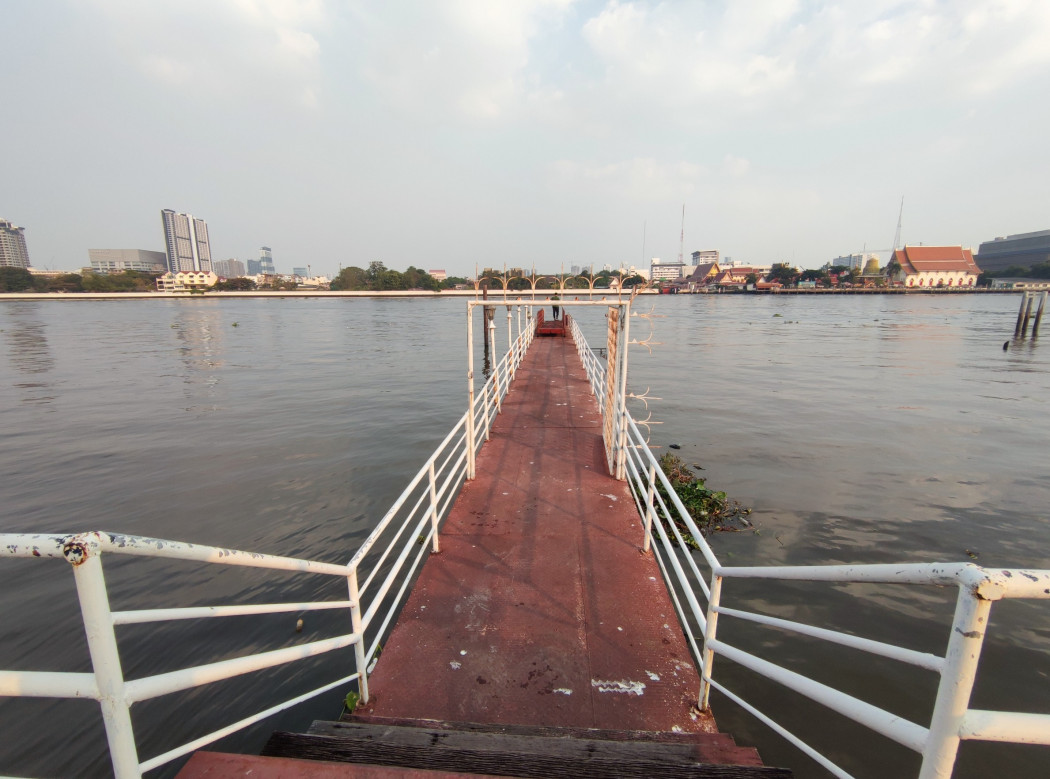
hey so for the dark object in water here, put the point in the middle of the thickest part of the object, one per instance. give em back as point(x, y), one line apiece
point(675, 446)
point(1006, 345)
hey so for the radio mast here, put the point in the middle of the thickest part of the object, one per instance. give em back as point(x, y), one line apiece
point(897, 237)
point(681, 246)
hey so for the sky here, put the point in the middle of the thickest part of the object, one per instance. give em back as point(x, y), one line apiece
point(523, 133)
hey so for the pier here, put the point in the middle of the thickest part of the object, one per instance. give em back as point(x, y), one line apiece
point(541, 631)
point(527, 606)
point(541, 608)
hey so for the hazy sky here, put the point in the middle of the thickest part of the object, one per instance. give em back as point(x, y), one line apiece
point(546, 132)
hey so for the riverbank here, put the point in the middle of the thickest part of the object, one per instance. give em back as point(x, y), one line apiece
point(312, 293)
point(540, 294)
point(882, 291)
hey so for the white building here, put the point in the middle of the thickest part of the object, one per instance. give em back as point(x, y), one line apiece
point(705, 256)
point(186, 239)
point(117, 260)
point(853, 261)
point(186, 281)
point(668, 271)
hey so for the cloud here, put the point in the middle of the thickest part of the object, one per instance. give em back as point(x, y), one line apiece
point(714, 61)
point(642, 178)
point(225, 49)
point(735, 167)
point(467, 59)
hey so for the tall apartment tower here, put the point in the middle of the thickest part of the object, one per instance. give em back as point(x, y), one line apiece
point(186, 239)
point(266, 261)
point(13, 251)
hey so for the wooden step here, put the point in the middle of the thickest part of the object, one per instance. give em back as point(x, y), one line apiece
point(222, 765)
point(740, 755)
point(513, 754)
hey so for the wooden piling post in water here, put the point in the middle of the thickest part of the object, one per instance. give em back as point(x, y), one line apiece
point(1027, 314)
point(1020, 314)
point(1039, 314)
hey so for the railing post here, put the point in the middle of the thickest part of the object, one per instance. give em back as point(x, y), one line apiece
point(957, 679)
point(511, 365)
point(84, 555)
point(486, 410)
point(709, 635)
point(621, 404)
point(495, 368)
point(358, 627)
point(649, 508)
point(433, 506)
point(470, 392)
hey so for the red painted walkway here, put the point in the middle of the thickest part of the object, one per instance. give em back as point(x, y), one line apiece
point(541, 608)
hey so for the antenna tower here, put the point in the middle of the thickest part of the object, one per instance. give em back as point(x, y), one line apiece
point(681, 246)
point(897, 237)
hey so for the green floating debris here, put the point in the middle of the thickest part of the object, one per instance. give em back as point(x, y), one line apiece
point(351, 701)
point(711, 510)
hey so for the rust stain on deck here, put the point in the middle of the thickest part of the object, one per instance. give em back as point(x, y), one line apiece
point(541, 608)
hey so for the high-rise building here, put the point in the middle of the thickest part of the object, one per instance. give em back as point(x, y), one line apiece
point(266, 261)
point(230, 268)
point(186, 239)
point(117, 260)
point(13, 251)
point(301, 272)
point(254, 267)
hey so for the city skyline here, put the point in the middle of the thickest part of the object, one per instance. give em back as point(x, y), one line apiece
point(544, 132)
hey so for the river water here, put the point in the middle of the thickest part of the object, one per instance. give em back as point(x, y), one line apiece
point(859, 429)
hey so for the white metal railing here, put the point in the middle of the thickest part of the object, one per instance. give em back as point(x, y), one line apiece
point(377, 578)
point(951, 720)
point(379, 574)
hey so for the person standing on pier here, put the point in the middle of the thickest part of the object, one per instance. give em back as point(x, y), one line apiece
point(554, 305)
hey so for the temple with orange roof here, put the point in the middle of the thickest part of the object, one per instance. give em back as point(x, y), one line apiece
point(935, 266)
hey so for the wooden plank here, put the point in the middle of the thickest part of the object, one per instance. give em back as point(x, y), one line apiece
point(559, 744)
point(221, 765)
point(536, 730)
point(527, 764)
